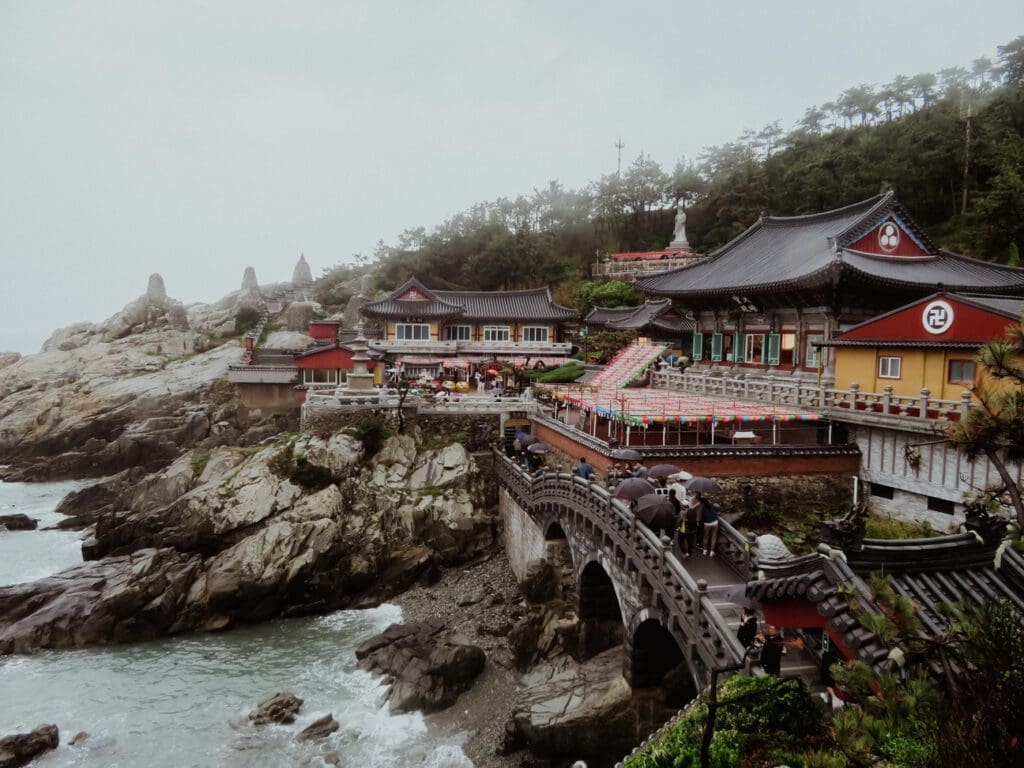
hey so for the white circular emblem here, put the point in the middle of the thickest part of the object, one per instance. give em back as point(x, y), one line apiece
point(937, 317)
point(889, 237)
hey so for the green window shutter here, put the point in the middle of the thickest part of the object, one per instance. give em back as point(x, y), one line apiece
point(773, 340)
point(698, 346)
point(716, 347)
point(739, 350)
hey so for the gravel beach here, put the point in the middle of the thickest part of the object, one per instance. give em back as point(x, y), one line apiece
point(478, 601)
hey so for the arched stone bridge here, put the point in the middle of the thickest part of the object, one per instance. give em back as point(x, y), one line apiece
point(671, 611)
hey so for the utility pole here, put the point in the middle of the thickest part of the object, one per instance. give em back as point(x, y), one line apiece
point(618, 166)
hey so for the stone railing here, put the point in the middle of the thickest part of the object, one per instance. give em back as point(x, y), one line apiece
point(691, 607)
point(629, 269)
point(832, 402)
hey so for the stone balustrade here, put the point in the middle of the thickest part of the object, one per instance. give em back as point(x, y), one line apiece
point(841, 403)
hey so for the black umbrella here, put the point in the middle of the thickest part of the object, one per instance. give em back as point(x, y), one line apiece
point(538, 448)
point(703, 485)
point(656, 512)
point(625, 454)
point(659, 471)
point(633, 488)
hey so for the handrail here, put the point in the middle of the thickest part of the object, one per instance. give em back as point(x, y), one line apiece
point(693, 610)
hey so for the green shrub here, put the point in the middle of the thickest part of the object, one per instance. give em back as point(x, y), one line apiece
point(246, 319)
point(372, 432)
point(199, 462)
point(563, 374)
point(889, 528)
point(750, 708)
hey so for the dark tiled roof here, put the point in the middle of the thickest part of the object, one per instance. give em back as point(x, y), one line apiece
point(649, 314)
point(788, 253)
point(1011, 306)
point(604, 315)
point(531, 304)
point(946, 270)
point(932, 572)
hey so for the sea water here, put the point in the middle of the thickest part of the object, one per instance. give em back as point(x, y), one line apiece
point(184, 701)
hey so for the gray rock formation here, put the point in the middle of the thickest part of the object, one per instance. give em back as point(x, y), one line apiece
point(281, 708)
point(249, 282)
point(18, 522)
point(156, 293)
point(425, 670)
point(21, 748)
point(319, 729)
point(583, 710)
point(225, 538)
point(9, 358)
point(299, 314)
point(302, 275)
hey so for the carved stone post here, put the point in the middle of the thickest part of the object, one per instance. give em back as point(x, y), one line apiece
point(923, 408)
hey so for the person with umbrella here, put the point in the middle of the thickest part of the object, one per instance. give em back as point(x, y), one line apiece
point(708, 518)
point(638, 470)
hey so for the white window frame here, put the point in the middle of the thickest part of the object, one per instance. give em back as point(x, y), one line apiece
point(419, 332)
point(497, 333)
point(886, 365)
point(327, 376)
point(458, 332)
point(535, 330)
point(748, 347)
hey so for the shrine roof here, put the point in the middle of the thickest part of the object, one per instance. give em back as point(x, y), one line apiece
point(961, 569)
point(413, 299)
point(777, 254)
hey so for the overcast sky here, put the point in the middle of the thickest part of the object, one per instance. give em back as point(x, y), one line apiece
point(194, 139)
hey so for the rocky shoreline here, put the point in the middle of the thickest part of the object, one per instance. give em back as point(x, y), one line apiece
point(481, 600)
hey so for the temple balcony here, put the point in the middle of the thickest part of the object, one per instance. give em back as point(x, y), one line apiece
point(414, 347)
point(515, 348)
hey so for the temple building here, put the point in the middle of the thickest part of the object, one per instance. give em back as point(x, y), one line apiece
point(657, 320)
point(930, 344)
point(769, 299)
point(427, 332)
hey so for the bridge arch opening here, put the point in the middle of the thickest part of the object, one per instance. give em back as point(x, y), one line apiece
point(657, 661)
point(554, 532)
point(601, 624)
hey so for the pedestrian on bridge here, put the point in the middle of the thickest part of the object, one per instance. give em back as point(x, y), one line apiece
point(585, 470)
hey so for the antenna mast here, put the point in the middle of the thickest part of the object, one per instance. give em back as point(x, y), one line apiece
point(618, 166)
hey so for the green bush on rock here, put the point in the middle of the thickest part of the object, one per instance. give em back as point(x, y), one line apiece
point(755, 714)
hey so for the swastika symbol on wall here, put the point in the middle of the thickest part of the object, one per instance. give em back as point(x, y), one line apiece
point(937, 317)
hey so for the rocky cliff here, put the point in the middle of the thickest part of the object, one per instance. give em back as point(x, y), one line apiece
point(239, 535)
point(133, 390)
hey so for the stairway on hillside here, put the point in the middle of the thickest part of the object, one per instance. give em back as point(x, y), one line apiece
point(626, 366)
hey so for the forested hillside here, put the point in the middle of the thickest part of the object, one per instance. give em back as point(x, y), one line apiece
point(951, 143)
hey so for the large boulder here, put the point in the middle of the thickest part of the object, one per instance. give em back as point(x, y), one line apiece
point(18, 522)
point(21, 748)
point(116, 600)
point(584, 710)
point(426, 670)
point(281, 708)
